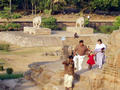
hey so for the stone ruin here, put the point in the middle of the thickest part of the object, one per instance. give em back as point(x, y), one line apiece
point(79, 28)
point(36, 29)
point(50, 75)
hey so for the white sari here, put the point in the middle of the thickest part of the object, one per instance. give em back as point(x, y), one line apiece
point(100, 57)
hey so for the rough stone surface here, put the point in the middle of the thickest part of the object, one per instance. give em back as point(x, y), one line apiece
point(50, 75)
point(37, 31)
point(18, 84)
point(47, 75)
point(80, 30)
point(115, 39)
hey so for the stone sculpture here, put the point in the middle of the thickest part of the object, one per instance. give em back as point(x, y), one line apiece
point(80, 22)
point(37, 22)
point(79, 28)
point(36, 29)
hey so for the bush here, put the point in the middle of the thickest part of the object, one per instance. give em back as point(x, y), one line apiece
point(16, 15)
point(49, 22)
point(2, 27)
point(86, 22)
point(12, 26)
point(10, 76)
point(9, 70)
point(107, 29)
point(4, 47)
point(117, 22)
point(49, 12)
point(1, 68)
point(96, 31)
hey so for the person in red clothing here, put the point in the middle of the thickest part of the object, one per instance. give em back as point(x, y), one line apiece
point(91, 60)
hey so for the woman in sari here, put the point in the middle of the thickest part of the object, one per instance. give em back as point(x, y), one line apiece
point(100, 50)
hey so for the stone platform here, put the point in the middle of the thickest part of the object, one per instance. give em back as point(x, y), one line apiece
point(80, 30)
point(37, 31)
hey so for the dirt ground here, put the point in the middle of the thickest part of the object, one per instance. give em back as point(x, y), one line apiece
point(19, 58)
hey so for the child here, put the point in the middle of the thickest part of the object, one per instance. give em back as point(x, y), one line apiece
point(102, 50)
point(91, 60)
point(69, 73)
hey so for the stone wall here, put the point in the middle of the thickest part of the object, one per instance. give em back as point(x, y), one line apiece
point(80, 31)
point(26, 40)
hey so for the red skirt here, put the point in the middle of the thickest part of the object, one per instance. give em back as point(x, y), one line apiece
point(91, 61)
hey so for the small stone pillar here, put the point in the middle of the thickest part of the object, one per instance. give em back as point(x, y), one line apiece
point(66, 52)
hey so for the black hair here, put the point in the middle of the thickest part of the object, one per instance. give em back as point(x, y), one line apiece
point(81, 41)
point(99, 40)
point(102, 48)
point(70, 57)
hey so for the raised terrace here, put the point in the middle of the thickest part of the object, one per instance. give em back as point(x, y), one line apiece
point(25, 40)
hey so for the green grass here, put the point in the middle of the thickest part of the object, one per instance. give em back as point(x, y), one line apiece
point(2, 60)
point(4, 47)
point(10, 76)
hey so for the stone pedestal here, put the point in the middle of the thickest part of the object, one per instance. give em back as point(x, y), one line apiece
point(80, 30)
point(37, 31)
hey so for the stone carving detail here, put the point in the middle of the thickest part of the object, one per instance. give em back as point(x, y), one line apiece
point(37, 22)
point(80, 22)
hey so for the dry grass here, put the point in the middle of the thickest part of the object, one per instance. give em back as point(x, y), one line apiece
point(19, 58)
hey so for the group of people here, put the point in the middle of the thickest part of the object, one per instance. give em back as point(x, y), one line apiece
point(74, 62)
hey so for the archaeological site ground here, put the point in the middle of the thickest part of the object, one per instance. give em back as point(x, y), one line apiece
point(36, 36)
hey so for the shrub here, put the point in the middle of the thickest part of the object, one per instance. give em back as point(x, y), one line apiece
point(117, 22)
point(4, 47)
point(2, 27)
point(10, 76)
point(9, 70)
point(46, 11)
point(1, 68)
point(107, 29)
point(96, 31)
point(16, 15)
point(86, 22)
point(5, 13)
point(12, 26)
point(49, 22)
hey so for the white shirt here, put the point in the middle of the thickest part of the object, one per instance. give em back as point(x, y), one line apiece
point(99, 47)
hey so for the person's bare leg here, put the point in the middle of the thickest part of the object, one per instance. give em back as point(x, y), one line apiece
point(89, 66)
point(66, 88)
point(71, 88)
